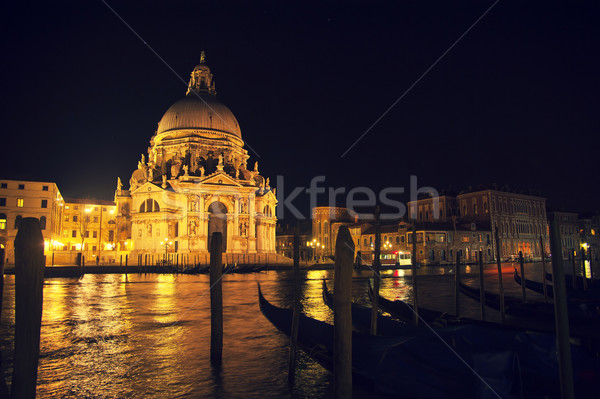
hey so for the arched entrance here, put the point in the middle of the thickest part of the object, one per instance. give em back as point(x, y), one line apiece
point(217, 222)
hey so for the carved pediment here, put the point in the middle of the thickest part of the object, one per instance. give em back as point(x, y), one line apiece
point(147, 188)
point(222, 179)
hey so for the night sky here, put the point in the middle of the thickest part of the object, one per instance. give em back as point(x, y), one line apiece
point(515, 102)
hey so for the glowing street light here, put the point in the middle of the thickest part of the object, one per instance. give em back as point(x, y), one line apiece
point(166, 243)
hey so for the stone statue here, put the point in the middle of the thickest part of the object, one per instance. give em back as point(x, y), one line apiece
point(192, 201)
point(220, 159)
point(267, 184)
point(237, 173)
point(143, 159)
point(150, 174)
point(185, 170)
point(256, 166)
point(192, 228)
point(149, 230)
point(119, 184)
point(164, 181)
point(201, 171)
point(139, 233)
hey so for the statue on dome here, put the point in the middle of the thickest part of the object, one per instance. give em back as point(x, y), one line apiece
point(256, 166)
point(220, 164)
point(119, 184)
point(143, 160)
point(267, 184)
point(201, 171)
point(164, 181)
point(185, 170)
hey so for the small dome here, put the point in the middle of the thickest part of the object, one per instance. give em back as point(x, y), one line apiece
point(199, 111)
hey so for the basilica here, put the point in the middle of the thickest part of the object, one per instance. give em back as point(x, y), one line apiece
point(195, 180)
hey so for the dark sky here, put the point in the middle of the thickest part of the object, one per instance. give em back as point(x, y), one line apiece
point(514, 102)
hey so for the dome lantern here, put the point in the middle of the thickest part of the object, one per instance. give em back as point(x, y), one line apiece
point(201, 79)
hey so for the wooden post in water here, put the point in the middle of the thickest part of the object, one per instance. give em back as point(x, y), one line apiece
point(342, 315)
point(523, 288)
point(376, 276)
point(3, 388)
point(561, 314)
point(591, 265)
point(216, 298)
point(457, 285)
point(120, 260)
point(583, 274)
point(501, 285)
point(414, 272)
point(481, 285)
point(296, 314)
point(573, 272)
point(544, 269)
point(126, 256)
point(29, 280)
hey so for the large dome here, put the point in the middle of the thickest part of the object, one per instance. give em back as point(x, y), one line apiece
point(199, 111)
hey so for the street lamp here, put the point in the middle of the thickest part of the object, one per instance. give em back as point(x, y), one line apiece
point(166, 243)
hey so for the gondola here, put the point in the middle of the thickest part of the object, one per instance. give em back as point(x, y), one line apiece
point(572, 294)
point(593, 285)
point(411, 367)
point(532, 347)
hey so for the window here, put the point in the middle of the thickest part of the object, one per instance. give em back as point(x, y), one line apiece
point(67, 218)
point(2, 221)
point(402, 239)
point(20, 202)
point(365, 241)
point(2, 201)
point(18, 221)
point(93, 248)
point(397, 239)
point(45, 203)
point(74, 233)
point(95, 234)
point(76, 207)
point(66, 234)
point(43, 222)
point(74, 218)
point(44, 188)
point(149, 205)
point(95, 219)
point(21, 187)
point(464, 238)
point(4, 185)
point(87, 234)
point(111, 235)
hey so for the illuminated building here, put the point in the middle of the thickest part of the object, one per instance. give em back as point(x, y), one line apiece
point(22, 199)
point(520, 219)
point(89, 227)
point(195, 181)
point(326, 221)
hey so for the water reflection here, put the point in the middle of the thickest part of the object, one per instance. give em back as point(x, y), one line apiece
point(149, 336)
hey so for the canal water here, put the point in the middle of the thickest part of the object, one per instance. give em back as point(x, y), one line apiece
point(148, 336)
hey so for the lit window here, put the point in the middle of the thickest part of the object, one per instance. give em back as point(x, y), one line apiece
point(67, 218)
point(2, 221)
point(20, 202)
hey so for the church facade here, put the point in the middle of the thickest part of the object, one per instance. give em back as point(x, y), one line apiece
point(195, 181)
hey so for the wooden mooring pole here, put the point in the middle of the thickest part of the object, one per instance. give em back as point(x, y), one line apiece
point(296, 314)
point(522, 267)
point(29, 280)
point(500, 284)
point(457, 284)
point(561, 314)
point(414, 272)
point(544, 269)
point(573, 272)
point(342, 315)
point(376, 275)
point(216, 298)
point(583, 273)
point(481, 286)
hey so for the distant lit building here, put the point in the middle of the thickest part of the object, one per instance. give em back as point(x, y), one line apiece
point(519, 219)
point(326, 223)
point(195, 181)
point(21, 199)
point(89, 227)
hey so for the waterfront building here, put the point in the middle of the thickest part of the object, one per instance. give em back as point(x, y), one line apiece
point(519, 219)
point(326, 222)
point(21, 199)
point(88, 227)
point(195, 181)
